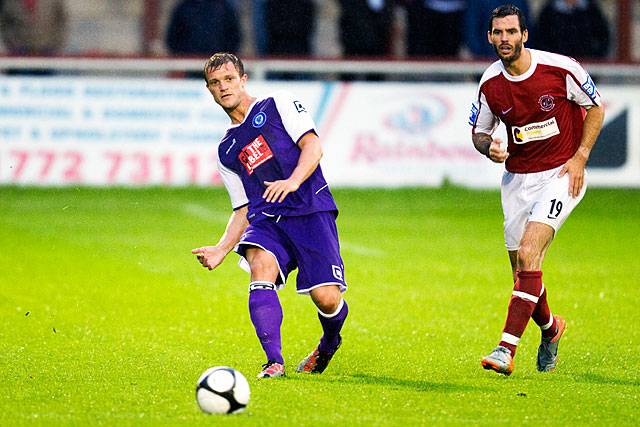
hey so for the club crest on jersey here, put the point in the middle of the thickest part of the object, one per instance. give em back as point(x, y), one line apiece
point(474, 114)
point(535, 131)
point(254, 154)
point(589, 87)
point(259, 120)
point(299, 107)
point(546, 102)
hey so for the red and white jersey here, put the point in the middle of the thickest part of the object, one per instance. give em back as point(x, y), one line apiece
point(542, 110)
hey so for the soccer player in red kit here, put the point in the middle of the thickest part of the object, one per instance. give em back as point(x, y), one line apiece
point(553, 115)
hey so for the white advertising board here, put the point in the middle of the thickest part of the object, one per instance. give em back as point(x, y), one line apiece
point(60, 131)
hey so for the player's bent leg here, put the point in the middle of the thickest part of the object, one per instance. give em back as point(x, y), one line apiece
point(332, 312)
point(552, 209)
point(548, 349)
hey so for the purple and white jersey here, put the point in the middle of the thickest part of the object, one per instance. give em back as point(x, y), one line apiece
point(264, 148)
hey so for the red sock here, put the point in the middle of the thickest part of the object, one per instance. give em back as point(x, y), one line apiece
point(543, 318)
point(523, 301)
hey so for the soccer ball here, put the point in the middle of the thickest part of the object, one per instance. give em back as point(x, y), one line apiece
point(222, 390)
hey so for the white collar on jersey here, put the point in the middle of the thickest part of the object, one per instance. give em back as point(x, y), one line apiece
point(526, 74)
point(253, 104)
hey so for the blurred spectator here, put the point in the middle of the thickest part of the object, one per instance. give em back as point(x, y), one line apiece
point(365, 31)
point(575, 28)
point(435, 27)
point(258, 19)
point(290, 25)
point(203, 27)
point(476, 25)
point(33, 27)
point(365, 27)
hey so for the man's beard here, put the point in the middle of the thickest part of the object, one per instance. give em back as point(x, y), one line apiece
point(508, 60)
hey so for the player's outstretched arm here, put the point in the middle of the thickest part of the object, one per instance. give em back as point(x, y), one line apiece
point(575, 165)
point(310, 155)
point(212, 256)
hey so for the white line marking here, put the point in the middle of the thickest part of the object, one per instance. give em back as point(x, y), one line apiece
point(205, 213)
point(361, 250)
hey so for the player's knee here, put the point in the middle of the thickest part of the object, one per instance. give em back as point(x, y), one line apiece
point(260, 269)
point(327, 298)
point(529, 257)
point(262, 265)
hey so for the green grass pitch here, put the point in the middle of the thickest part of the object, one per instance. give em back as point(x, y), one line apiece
point(107, 319)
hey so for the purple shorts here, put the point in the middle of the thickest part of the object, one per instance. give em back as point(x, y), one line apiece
point(309, 243)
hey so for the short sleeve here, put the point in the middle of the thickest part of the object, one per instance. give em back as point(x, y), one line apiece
point(295, 117)
point(481, 118)
point(233, 184)
point(580, 87)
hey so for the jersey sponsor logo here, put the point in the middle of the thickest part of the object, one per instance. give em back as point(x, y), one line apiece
point(254, 154)
point(337, 272)
point(535, 131)
point(589, 87)
point(546, 102)
point(299, 107)
point(505, 112)
point(474, 114)
point(259, 120)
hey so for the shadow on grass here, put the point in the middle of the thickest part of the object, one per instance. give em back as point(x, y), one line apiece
point(601, 379)
point(416, 385)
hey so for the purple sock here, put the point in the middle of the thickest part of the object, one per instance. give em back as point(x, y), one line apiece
point(331, 325)
point(266, 316)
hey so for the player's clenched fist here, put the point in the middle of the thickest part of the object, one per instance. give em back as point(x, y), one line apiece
point(496, 153)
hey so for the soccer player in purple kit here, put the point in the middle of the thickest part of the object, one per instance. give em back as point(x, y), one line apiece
point(283, 212)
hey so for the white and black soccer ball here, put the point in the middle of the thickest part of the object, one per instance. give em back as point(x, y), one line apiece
point(222, 390)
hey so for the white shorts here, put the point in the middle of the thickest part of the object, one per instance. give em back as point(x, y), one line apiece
point(540, 197)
